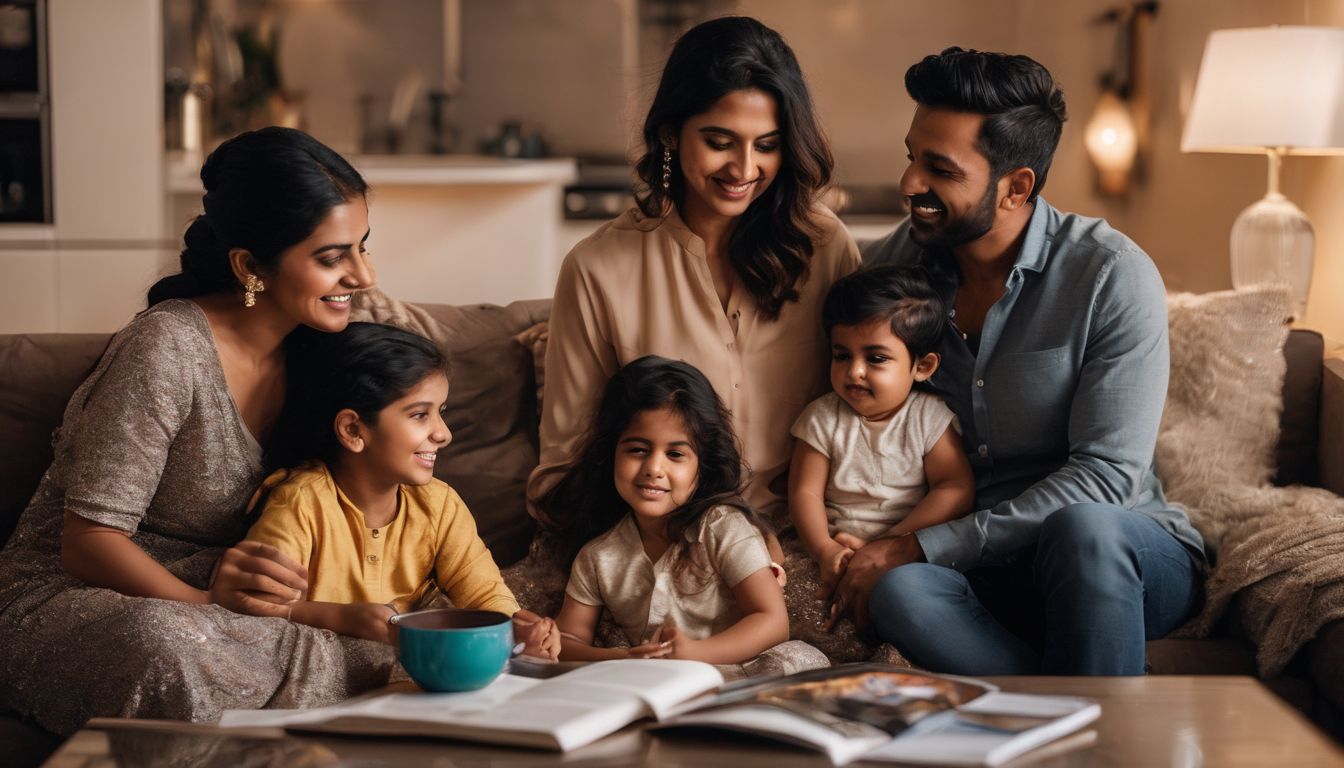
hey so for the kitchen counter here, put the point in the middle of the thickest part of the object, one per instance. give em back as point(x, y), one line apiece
point(450, 229)
point(183, 173)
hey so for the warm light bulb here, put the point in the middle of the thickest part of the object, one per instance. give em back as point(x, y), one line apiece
point(1112, 142)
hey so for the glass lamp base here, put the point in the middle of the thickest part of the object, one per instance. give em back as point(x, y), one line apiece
point(1272, 242)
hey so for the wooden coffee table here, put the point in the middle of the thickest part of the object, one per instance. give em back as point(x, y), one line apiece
point(1145, 721)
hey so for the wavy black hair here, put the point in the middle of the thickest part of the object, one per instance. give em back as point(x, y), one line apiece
point(364, 368)
point(1024, 110)
point(265, 190)
point(584, 504)
point(901, 295)
point(771, 246)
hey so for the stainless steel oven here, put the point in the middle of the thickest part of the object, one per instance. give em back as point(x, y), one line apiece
point(25, 113)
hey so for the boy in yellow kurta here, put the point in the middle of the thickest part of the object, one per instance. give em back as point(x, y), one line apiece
point(431, 541)
point(361, 509)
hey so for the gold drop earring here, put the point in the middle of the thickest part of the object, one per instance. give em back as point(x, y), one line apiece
point(667, 169)
point(251, 287)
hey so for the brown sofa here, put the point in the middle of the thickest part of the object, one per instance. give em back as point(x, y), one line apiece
point(493, 414)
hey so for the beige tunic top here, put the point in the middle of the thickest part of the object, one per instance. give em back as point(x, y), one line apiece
point(642, 286)
point(877, 467)
point(614, 571)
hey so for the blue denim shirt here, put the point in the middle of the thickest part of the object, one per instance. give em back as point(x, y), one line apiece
point(1062, 401)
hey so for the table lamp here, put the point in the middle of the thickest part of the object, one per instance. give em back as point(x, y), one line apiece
point(1277, 91)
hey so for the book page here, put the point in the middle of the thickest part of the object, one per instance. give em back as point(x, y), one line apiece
point(431, 707)
point(660, 683)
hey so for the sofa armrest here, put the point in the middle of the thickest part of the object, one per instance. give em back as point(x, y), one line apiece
point(1331, 455)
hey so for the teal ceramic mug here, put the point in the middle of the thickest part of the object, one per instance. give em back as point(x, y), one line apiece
point(454, 649)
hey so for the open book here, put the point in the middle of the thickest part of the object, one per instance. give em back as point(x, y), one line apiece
point(875, 712)
point(563, 712)
point(883, 713)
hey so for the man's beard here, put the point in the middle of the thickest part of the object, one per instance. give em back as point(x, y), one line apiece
point(955, 231)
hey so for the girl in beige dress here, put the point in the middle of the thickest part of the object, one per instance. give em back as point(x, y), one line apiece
point(664, 542)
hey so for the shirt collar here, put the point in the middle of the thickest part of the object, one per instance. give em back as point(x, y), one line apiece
point(1036, 244)
point(675, 226)
point(1034, 253)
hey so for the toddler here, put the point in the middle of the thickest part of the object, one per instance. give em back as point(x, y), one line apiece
point(874, 457)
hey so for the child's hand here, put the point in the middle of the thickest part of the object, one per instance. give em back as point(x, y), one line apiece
point(655, 648)
point(368, 621)
point(680, 645)
point(832, 564)
point(540, 635)
point(849, 540)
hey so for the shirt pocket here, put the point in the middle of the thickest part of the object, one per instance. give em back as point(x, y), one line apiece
point(1029, 397)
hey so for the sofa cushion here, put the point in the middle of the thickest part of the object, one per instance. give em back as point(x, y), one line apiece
point(40, 372)
point(491, 407)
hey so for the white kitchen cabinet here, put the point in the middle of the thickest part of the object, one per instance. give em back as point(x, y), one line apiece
point(89, 269)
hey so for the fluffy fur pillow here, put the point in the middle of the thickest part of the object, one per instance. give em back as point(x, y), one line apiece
point(1225, 397)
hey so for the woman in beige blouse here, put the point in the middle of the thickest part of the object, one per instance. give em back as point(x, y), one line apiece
point(723, 264)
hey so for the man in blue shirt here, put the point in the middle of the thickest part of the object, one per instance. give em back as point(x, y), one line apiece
point(1055, 364)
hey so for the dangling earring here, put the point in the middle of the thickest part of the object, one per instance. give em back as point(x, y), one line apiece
point(251, 287)
point(667, 169)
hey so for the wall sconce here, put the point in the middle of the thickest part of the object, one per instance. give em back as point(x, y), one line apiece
point(1118, 125)
point(1112, 142)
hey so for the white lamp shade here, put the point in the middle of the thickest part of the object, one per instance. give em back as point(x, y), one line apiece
point(1269, 87)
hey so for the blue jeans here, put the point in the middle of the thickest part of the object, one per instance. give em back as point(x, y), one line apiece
point(1101, 582)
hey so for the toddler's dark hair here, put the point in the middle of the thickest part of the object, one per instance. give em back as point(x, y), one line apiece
point(584, 504)
point(364, 368)
point(901, 295)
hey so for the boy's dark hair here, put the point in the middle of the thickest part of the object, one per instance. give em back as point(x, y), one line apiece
point(584, 504)
point(364, 368)
point(1024, 110)
point(901, 295)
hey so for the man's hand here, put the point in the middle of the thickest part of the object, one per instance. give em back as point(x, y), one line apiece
point(867, 566)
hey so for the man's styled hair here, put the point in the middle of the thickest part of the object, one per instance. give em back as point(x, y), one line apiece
point(903, 296)
point(1023, 109)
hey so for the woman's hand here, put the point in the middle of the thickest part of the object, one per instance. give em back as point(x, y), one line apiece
point(539, 635)
point(258, 579)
